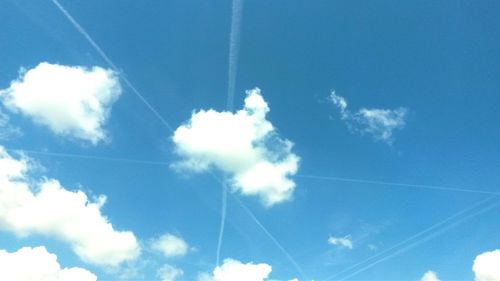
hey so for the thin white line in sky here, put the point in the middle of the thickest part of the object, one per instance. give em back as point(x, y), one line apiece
point(234, 49)
point(105, 57)
point(417, 239)
point(222, 223)
point(398, 184)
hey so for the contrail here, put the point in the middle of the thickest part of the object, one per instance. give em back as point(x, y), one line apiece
point(222, 222)
point(275, 241)
point(421, 237)
point(105, 57)
point(234, 49)
point(398, 184)
point(89, 157)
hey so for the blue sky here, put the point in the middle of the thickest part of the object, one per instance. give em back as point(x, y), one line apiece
point(420, 84)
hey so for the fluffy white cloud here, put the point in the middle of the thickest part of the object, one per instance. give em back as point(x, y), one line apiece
point(429, 276)
point(169, 273)
point(232, 270)
point(45, 207)
point(345, 242)
point(170, 245)
point(380, 123)
point(487, 266)
point(71, 100)
point(243, 144)
point(30, 264)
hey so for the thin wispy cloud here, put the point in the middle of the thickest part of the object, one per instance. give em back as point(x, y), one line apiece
point(169, 273)
point(344, 242)
point(72, 101)
point(244, 145)
point(170, 245)
point(7, 130)
point(379, 123)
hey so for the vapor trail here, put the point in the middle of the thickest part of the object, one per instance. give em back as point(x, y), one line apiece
point(398, 184)
point(421, 237)
point(234, 49)
point(222, 223)
point(105, 57)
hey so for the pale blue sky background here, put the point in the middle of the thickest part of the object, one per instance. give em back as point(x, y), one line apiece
point(438, 59)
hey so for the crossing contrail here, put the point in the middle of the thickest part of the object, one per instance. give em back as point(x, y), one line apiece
point(417, 239)
point(105, 57)
point(222, 223)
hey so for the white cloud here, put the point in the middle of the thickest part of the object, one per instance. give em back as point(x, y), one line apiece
point(430, 276)
point(45, 207)
point(487, 266)
point(30, 264)
point(169, 273)
point(243, 144)
point(170, 245)
point(71, 100)
point(380, 123)
point(345, 242)
point(232, 270)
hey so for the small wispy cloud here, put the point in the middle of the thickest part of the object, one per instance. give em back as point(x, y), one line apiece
point(379, 123)
point(345, 242)
point(7, 130)
point(430, 276)
point(170, 245)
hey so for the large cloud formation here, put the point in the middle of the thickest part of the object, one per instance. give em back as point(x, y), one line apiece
point(72, 101)
point(487, 266)
point(232, 270)
point(244, 145)
point(45, 207)
point(30, 264)
point(380, 123)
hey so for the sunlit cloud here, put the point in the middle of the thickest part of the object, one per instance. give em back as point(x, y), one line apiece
point(29, 206)
point(170, 245)
point(244, 145)
point(72, 101)
point(30, 264)
point(486, 266)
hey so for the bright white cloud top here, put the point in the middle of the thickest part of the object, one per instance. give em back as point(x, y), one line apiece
point(170, 245)
point(380, 123)
point(72, 101)
point(232, 270)
point(30, 264)
point(487, 266)
point(345, 242)
point(244, 145)
point(45, 207)
point(430, 276)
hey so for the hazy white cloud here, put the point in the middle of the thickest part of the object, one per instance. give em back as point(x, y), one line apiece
point(169, 273)
point(7, 130)
point(380, 123)
point(72, 101)
point(244, 145)
point(30, 264)
point(345, 242)
point(232, 270)
point(487, 266)
point(45, 207)
point(430, 276)
point(170, 245)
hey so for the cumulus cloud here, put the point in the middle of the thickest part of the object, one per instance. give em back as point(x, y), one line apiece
point(45, 207)
point(244, 145)
point(430, 276)
point(169, 273)
point(29, 264)
point(345, 242)
point(232, 270)
point(487, 266)
point(380, 123)
point(170, 245)
point(72, 101)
